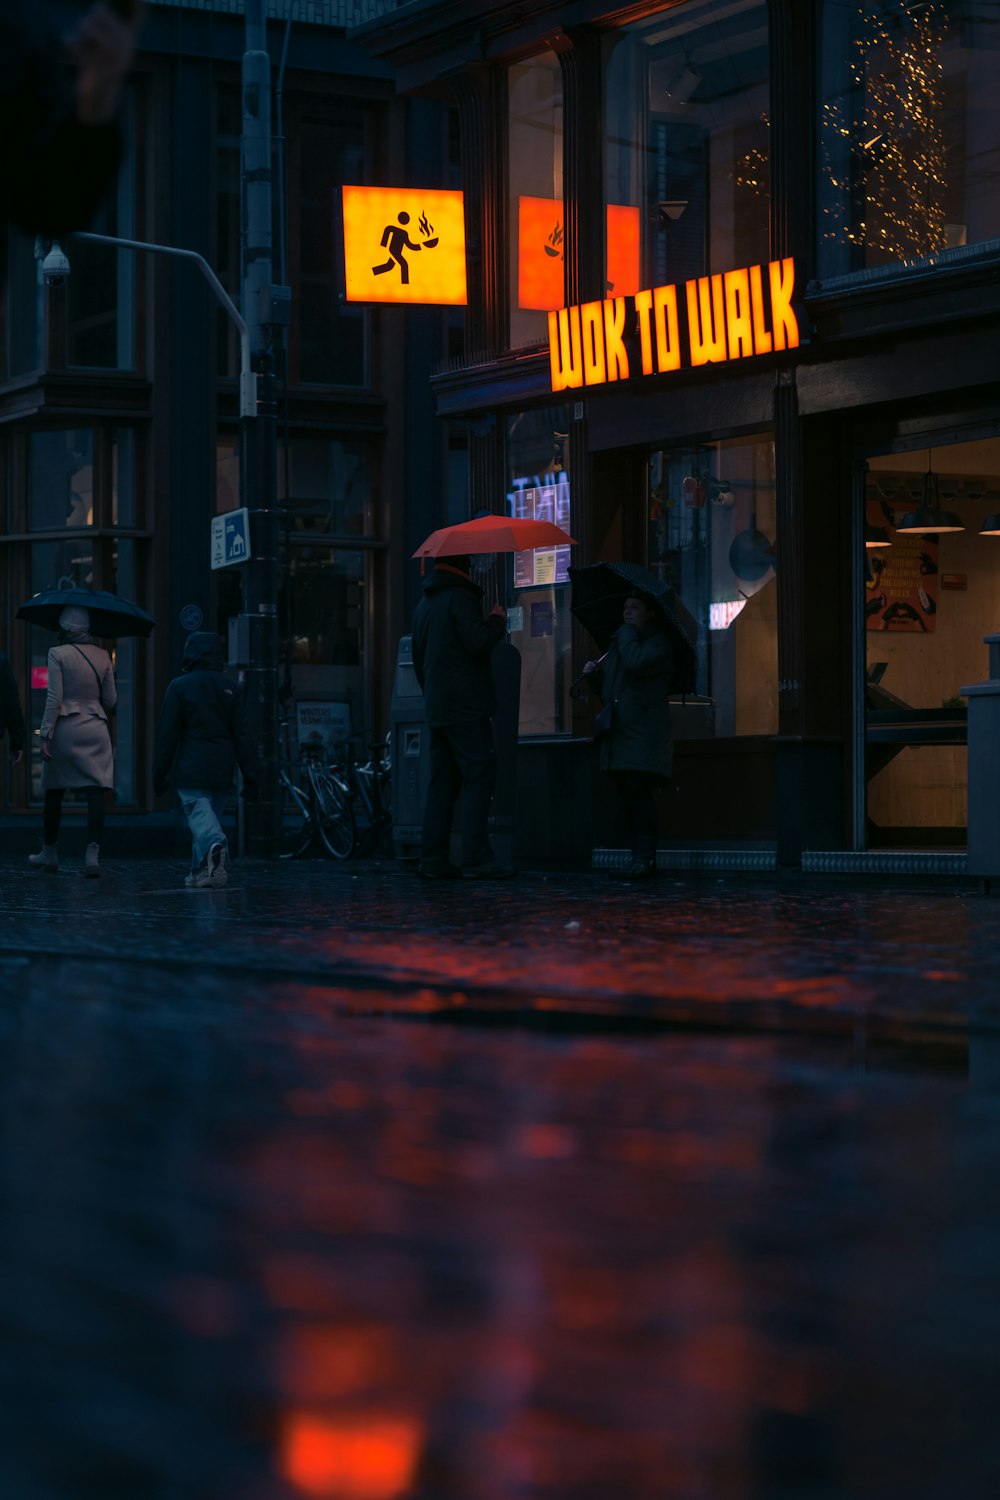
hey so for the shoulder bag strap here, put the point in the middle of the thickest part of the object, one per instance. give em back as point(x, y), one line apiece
point(90, 664)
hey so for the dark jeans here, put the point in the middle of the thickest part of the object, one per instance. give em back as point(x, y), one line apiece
point(462, 760)
point(636, 789)
point(52, 814)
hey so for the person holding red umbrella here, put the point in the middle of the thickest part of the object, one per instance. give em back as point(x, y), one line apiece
point(452, 643)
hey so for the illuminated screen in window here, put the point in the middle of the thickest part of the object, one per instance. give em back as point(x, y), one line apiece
point(530, 500)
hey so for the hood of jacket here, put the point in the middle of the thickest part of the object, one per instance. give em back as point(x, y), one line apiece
point(451, 578)
point(203, 650)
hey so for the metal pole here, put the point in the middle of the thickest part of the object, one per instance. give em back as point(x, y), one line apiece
point(258, 465)
point(248, 380)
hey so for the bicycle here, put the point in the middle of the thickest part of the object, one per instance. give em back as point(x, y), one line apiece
point(315, 805)
point(368, 791)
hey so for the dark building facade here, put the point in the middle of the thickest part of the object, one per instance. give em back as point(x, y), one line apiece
point(777, 226)
point(119, 400)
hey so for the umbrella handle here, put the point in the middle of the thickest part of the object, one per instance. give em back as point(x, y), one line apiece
point(578, 682)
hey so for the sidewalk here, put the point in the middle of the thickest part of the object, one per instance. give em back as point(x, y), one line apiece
point(802, 954)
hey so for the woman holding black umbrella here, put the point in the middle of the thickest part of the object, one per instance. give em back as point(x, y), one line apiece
point(76, 736)
point(633, 679)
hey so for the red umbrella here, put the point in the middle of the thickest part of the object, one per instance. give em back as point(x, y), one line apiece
point(493, 534)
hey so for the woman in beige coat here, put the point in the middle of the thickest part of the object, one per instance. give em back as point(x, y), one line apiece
point(76, 736)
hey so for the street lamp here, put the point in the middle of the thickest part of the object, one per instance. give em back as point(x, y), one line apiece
point(55, 268)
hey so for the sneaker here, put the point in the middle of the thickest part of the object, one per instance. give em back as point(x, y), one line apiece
point(199, 878)
point(46, 859)
point(217, 876)
point(438, 869)
point(492, 870)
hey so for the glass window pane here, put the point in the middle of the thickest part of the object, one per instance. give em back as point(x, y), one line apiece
point(331, 333)
point(25, 306)
point(538, 486)
point(686, 143)
point(100, 291)
point(711, 534)
point(537, 218)
point(909, 144)
point(60, 479)
point(326, 616)
point(329, 486)
point(123, 501)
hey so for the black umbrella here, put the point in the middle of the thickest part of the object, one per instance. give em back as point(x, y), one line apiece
point(599, 593)
point(110, 616)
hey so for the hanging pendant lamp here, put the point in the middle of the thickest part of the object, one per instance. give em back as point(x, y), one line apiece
point(876, 536)
point(930, 517)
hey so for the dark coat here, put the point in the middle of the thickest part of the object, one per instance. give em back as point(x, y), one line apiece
point(203, 734)
point(451, 650)
point(635, 676)
point(11, 716)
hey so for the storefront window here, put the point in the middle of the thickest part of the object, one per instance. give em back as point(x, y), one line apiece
point(538, 487)
point(909, 146)
point(61, 480)
point(537, 218)
point(929, 600)
point(686, 143)
point(712, 535)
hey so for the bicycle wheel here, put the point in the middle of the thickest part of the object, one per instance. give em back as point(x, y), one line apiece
point(295, 825)
point(334, 816)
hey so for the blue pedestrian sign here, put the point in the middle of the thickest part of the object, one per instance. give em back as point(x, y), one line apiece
point(231, 538)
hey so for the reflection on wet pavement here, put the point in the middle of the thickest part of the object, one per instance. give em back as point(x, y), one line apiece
point(265, 1241)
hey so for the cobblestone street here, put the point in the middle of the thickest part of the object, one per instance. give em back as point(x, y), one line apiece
point(337, 1184)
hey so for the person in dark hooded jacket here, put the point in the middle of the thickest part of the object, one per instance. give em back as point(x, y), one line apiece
point(451, 650)
point(201, 738)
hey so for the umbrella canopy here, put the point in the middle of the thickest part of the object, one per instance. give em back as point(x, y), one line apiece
point(109, 614)
point(599, 593)
point(493, 534)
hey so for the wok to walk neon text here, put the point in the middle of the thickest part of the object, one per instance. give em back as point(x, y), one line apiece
point(708, 320)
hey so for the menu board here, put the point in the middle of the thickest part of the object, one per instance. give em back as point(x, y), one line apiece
point(550, 501)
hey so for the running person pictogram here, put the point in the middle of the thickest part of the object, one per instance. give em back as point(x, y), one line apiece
point(397, 239)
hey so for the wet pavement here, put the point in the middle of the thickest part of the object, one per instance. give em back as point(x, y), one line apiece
point(336, 1184)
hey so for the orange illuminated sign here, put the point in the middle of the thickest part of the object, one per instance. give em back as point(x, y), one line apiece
point(709, 320)
point(541, 244)
point(404, 245)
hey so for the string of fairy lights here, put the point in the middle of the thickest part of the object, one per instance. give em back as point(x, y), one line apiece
point(888, 178)
point(884, 148)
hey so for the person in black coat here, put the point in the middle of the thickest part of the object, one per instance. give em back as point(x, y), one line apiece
point(634, 678)
point(59, 99)
point(201, 738)
point(451, 650)
point(11, 714)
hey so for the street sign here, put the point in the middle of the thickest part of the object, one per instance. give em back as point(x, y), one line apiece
point(231, 538)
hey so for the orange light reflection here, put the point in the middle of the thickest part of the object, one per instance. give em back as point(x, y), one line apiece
point(364, 1458)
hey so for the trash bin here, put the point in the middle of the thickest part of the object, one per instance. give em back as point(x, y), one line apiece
point(411, 755)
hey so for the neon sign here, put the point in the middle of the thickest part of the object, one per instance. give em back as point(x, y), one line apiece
point(708, 320)
point(541, 244)
point(404, 245)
